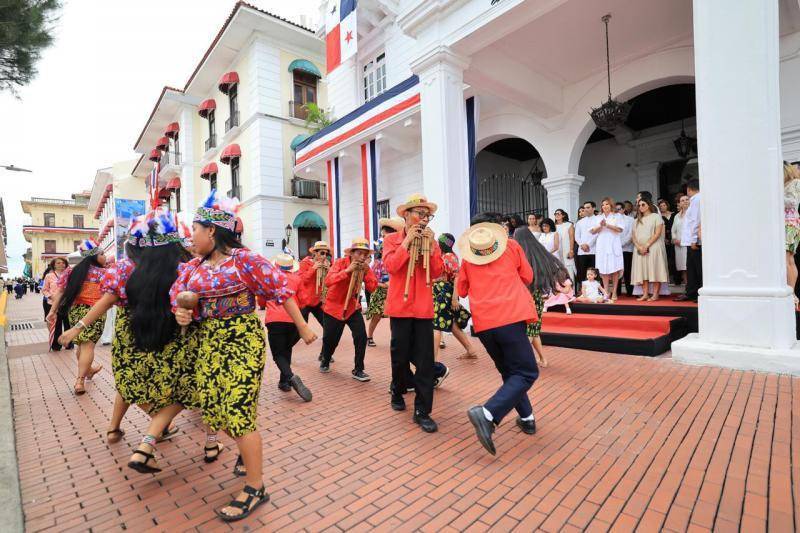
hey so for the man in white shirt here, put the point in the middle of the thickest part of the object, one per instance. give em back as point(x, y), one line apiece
point(586, 241)
point(627, 246)
point(691, 237)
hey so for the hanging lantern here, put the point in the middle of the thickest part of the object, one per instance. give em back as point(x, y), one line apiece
point(684, 144)
point(612, 113)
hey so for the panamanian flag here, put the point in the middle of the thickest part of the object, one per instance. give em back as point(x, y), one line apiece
point(341, 39)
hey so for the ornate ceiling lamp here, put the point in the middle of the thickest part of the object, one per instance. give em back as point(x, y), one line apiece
point(684, 144)
point(612, 113)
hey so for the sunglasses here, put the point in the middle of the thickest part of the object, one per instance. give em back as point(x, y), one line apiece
point(423, 214)
point(325, 254)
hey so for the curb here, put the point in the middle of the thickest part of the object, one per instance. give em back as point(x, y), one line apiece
point(11, 516)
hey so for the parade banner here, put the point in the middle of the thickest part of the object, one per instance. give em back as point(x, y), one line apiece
point(124, 211)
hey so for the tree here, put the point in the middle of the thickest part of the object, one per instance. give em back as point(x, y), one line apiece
point(25, 31)
point(317, 118)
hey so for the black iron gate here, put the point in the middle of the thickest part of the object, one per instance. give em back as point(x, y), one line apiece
point(513, 194)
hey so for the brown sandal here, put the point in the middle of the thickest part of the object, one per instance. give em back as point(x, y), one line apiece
point(79, 386)
point(93, 370)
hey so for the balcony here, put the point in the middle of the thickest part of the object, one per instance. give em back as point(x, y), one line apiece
point(232, 121)
point(298, 110)
point(210, 143)
point(56, 201)
point(310, 189)
point(170, 158)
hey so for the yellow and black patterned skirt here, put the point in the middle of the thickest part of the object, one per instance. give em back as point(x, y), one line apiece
point(93, 332)
point(376, 303)
point(535, 328)
point(230, 365)
point(156, 379)
point(443, 314)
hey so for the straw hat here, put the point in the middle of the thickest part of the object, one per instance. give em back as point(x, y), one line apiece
point(359, 243)
point(396, 223)
point(483, 243)
point(286, 263)
point(319, 245)
point(416, 200)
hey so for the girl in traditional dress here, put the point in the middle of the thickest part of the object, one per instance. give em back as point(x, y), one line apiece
point(226, 279)
point(448, 314)
point(546, 271)
point(78, 291)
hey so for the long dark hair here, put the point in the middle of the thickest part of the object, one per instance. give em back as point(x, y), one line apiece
point(152, 323)
point(224, 240)
point(75, 282)
point(546, 267)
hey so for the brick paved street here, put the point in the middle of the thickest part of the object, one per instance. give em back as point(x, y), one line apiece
point(623, 442)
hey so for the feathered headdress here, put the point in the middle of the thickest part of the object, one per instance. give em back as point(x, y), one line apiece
point(160, 227)
point(136, 230)
point(219, 210)
point(88, 248)
point(186, 233)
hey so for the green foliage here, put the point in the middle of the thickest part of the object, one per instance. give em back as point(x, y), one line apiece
point(25, 30)
point(317, 118)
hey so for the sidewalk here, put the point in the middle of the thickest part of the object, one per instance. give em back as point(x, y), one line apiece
point(623, 442)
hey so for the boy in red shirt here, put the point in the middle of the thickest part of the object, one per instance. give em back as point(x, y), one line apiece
point(411, 319)
point(495, 276)
point(282, 334)
point(309, 296)
point(338, 312)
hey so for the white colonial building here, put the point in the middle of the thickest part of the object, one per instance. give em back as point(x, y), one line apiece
point(484, 104)
point(231, 128)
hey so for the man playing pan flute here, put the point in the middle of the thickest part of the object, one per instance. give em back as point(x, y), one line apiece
point(342, 306)
point(412, 258)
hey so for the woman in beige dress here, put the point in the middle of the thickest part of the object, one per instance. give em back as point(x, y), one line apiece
point(650, 253)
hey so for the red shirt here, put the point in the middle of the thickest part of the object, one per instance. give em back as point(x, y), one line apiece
point(420, 296)
point(338, 281)
point(498, 292)
point(275, 311)
point(307, 295)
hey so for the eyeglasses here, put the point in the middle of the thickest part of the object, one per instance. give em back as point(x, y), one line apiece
point(324, 254)
point(423, 214)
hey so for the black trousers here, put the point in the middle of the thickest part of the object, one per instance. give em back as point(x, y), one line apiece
point(627, 261)
point(332, 330)
point(582, 264)
point(282, 337)
point(412, 343)
point(316, 311)
point(694, 272)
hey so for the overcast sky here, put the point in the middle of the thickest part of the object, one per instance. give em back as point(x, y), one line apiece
point(96, 87)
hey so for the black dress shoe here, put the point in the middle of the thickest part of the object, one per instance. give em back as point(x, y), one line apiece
point(324, 367)
point(301, 390)
point(284, 386)
point(483, 428)
point(527, 426)
point(398, 403)
point(425, 422)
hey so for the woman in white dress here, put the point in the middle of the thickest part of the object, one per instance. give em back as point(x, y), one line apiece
point(566, 237)
point(548, 237)
point(533, 225)
point(677, 228)
point(608, 255)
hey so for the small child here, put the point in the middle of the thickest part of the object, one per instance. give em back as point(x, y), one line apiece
point(591, 290)
point(564, 293)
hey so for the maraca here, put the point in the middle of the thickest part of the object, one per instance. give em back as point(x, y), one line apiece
point(187, 300)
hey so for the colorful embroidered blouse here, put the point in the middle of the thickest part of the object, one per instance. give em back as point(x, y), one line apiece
point(115, 280)
point(90, 290)
point(379, 269)
point(450, 270)
point(230, 288)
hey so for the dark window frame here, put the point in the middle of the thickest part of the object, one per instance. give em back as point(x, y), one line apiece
point(51, 217)
point(50, 249)
point(77, 221)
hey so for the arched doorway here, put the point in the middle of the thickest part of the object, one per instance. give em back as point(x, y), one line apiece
point(309, 226)
point(510, 173)
point(655, 150)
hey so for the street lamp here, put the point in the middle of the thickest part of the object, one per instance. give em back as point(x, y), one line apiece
point(12, 168)
point(286, 239)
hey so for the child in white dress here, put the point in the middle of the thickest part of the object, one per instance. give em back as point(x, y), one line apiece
point(591, 290)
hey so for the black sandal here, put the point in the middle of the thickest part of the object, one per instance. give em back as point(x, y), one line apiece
point(371, 342)
point(255, 497)
point(238, 468)
point(168, 433)
point(142, 466)
point(114, 436)
point(216, 447)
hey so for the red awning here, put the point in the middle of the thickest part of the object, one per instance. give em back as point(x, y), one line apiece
point(231, 152)
point(172, 130)
point(162, 144)
point(164, 193)
point(227, 81)
point(174, 183)
point(206, 107)
point(155, 155)
point(209, 170)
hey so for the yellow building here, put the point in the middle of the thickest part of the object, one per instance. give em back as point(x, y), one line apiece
point(57, 226)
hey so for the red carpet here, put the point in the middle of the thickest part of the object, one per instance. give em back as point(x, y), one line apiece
point(622, 326)
point(664, 301)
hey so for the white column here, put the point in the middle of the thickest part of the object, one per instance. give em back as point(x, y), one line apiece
point(746, 316)
point(189, 197)
point(647, 178)
point(563, 192)
point(445, 172)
